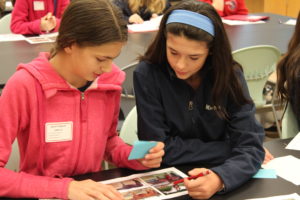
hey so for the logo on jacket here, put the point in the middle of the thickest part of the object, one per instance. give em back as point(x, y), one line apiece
point(232, 5)
point(209, 107)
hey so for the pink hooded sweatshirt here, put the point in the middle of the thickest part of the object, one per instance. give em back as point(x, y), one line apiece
point(36, 95)
point(27, 14)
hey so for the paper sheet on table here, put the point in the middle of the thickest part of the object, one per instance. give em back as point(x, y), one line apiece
point(11, 37)
point(293, 196)
point(290, 22)
point(237, 22)
point(295, 143)
point(287, 167)
point(147, 26)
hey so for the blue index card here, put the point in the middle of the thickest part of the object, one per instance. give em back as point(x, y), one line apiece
point(140, 149)
point(265, 173)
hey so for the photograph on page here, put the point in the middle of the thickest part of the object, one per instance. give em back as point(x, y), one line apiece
point(144, 193)
point(164, 182)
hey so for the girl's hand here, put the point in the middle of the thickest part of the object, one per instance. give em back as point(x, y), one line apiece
point(268, 156)
point(203, 187)
point(135, 19)
point(154, 15)
point(92, 190)
point(48, 22)
point(218, 4)
point(154, 157)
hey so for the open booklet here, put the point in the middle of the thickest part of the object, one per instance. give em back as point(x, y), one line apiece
point(152, 185)
point(249, 18)
point(43, 38)
point(244, 19)
point(11, 37)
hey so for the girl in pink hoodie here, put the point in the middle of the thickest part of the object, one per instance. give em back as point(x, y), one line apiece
point(228, 7)
point(37, 16)
point(63, 108)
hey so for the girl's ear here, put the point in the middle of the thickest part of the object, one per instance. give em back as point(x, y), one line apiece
point(70, 48)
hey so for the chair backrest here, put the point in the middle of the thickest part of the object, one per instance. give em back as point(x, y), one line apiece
point(5, 24)
point(258, 63)
point(127, 96)
point(127, 87)
point(289, 123)
point(129, 129)
point(14, 158)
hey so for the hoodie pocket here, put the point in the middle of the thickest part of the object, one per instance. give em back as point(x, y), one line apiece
point(57, 158)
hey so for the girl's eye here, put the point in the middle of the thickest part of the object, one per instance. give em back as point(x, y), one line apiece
point(194, 58)
point(173, 53)
point(100, 60)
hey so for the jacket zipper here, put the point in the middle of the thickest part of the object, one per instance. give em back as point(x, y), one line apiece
point(82, 118)
point(191, 105)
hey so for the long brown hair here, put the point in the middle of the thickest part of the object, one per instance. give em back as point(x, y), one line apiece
point(288, 72)
point(154, 6)
point(90, 23)
point(223, 67)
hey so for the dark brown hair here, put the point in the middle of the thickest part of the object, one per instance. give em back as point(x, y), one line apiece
point(223, 67)
point(90, 23)
point(288, 72)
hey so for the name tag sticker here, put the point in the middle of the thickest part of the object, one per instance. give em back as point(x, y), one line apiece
point(58, 131)
point(38, 5)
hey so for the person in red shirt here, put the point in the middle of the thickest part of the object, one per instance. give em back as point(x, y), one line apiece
point(228, 7)
point(37, 16)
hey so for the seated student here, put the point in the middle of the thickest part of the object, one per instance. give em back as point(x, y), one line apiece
point(228, 7)
point(37, 17)
point(138, 11)
point(288, 73)
point(193, 96)
point(63, 108)
point(2, 7)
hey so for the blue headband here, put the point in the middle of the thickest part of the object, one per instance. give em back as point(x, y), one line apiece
point(191, 18)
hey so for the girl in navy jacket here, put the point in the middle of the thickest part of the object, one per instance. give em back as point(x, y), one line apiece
point(193, 96)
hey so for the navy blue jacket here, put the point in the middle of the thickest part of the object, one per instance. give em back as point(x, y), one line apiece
point(169, 110)
point(143, 13)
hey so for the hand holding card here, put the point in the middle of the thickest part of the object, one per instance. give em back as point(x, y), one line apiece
point(149, 153)
point(140, 149)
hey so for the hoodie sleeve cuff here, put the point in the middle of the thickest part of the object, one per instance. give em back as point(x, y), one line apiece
point(57, 25)
point(218, 171)
point(62, 187)
point(36, 27)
